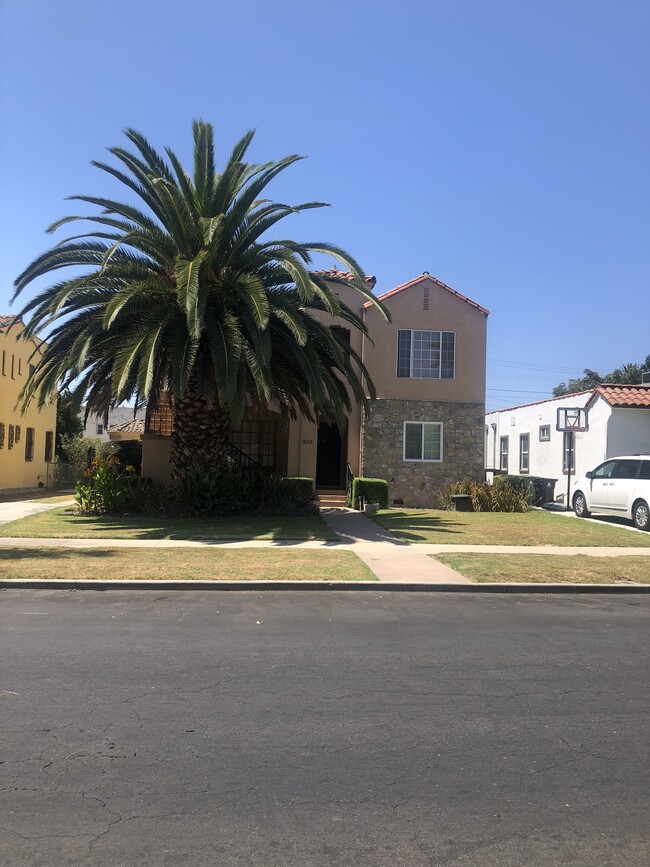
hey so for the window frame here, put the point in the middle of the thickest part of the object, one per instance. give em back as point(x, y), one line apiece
point(411, 332)
point(524, 470)
point(504, 452)
point(422, 459)
point(49, 446)
point(544, 428)
point(568, 437)
point(30, 442)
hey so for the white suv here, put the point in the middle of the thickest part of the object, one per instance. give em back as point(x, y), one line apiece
point(619, 486)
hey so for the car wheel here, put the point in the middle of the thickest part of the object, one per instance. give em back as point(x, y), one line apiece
point(641, 515)
point(580, 505)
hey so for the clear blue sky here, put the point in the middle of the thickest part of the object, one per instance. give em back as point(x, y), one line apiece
point(502, 146)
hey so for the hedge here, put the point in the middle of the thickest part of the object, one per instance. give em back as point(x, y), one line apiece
point(370, 491)
point(298, 487)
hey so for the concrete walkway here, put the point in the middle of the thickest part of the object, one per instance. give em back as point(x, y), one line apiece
point(386, 555)
point(16, 510)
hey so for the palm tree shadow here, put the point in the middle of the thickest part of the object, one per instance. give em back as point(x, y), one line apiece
point(407, 526)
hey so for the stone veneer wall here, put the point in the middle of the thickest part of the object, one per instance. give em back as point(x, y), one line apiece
point(419, 483)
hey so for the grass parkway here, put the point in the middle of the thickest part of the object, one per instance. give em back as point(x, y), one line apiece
point(44, 538)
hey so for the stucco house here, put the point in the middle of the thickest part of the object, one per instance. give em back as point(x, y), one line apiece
point(97, 425)
point(425, 428)
point(26, 441)
point(524, 440)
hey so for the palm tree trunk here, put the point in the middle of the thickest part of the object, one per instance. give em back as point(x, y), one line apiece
point(200, 436)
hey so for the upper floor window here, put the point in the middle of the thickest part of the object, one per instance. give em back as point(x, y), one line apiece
point(426, 354)
point(2, 435)
point(10, 443)
point(100, 429)
point(544, 433)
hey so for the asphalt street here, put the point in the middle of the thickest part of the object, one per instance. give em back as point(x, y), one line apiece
point(311, 728)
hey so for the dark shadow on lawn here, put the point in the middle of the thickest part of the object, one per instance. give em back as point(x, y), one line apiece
point(405, 525)
point(237, 528)
point(8, 555)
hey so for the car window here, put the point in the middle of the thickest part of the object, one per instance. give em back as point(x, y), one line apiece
point(604, 471)
point(626, 470)
point(645, 470)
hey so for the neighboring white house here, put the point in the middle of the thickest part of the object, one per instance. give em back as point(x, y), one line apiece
point(524, 440)
point(95, 426)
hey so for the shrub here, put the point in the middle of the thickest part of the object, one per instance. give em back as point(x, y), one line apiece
point(487, 498)
point(370, 491)
point(75, 450)
point(524, 484)
point(104, 487)
point(226, 490)
point(290, 496)
point(229, 490)
point(300, 487)
point(129, 452)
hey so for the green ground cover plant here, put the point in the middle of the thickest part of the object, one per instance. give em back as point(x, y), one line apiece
point(549, 568)
point(66, 523)
point(535, 527)
point(184, 564)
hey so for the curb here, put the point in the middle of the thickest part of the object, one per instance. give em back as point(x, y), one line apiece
point(388, 586)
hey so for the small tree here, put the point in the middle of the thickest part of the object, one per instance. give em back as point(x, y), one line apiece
point(80, 450)
point(68, 423)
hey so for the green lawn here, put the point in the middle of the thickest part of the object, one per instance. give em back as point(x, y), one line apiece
point(63, 523)
point(211, 564)
point(504, 528)
point(548, 568)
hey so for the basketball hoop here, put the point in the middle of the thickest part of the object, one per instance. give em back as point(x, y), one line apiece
point(572, 419)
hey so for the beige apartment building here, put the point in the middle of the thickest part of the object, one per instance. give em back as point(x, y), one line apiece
point(425, 428)
point(26, 441)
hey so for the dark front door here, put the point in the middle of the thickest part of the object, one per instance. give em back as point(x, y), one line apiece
point(328, 456)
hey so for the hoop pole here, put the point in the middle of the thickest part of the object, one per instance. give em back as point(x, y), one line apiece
point(570, 449)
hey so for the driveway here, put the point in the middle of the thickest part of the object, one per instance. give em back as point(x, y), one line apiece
point(323, 729)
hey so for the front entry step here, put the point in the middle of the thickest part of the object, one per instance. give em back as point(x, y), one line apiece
point(330, 499)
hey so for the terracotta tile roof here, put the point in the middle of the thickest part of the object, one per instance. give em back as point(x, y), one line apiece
point(545, 400)
point(135, 425)
point(421, 279)
point(342, 275)
point(5, 321)
point(631, 396)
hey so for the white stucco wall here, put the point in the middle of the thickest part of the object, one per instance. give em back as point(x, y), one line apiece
point(116, 416)
point(612, 432)
point(545, 457)
point(628, 432)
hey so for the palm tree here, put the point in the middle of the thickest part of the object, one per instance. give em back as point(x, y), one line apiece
point(183, 297)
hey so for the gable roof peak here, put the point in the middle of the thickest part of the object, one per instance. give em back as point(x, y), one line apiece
point(423, 278)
